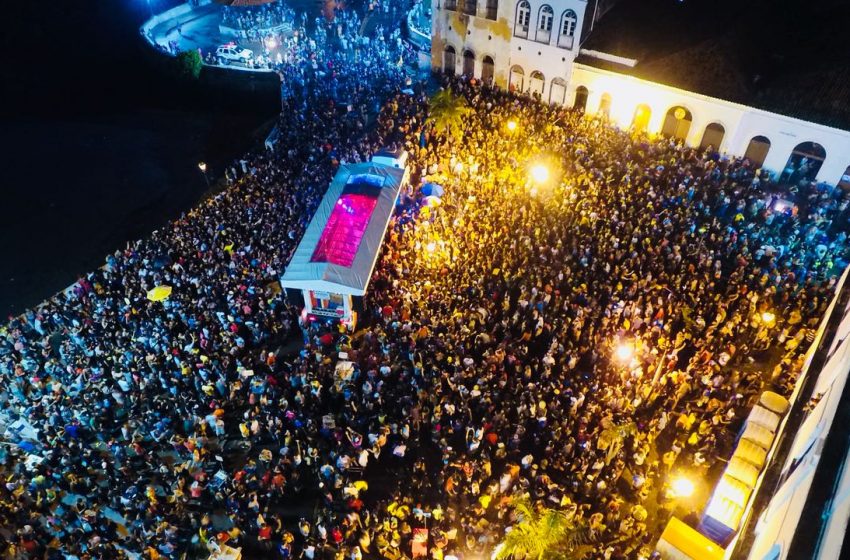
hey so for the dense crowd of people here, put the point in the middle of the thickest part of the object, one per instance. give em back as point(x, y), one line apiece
point(489, 367)
point(329, 51)
point(253, 21)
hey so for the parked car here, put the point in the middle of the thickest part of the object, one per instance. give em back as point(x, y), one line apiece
point(226, 54)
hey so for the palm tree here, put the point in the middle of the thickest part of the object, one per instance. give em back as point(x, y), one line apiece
point(543, 533)
point(613, 436)
point(447, 112)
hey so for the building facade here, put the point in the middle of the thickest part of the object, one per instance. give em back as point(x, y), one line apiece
point(777, 142)
point(528, 46)
point(531, 46)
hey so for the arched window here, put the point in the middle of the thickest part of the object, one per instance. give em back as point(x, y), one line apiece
point(844, 182)
point(536, 84)
point(449, 60)
point(470, 7)
point(488, 69)
point(605, 105)
point(523, 18)
point(677, 123)
point(713, 136)
point(566, 37)
point(544, 24)
point(757, 150)
point(517, 79)
point(469, 63)
point(643, 114)
point(804, 163)
point(558, 91)
point(492, 9)
point(581, 99)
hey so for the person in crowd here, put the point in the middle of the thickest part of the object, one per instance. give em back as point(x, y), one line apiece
point(569, 342)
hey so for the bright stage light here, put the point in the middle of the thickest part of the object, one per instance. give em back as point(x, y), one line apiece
point(540, 173)
point(511, 125)
point(682, 487)
point(624, 352)
point(768, 318)
point(431, 247)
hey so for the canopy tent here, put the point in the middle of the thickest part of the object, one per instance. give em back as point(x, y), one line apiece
point(340, 247)
point(682, 542)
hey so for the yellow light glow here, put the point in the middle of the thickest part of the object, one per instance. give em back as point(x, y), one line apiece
point(540, 173)
point(682, 487)
point(511, 125)
point(624, 352)
point(431, 247)
point(768, 318)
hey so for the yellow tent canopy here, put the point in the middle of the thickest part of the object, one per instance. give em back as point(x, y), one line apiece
point(774, 402)
point(680, 541)
point(759, 435)
point(159, 293)
point(750, 452)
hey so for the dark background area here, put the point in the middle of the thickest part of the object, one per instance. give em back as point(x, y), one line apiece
point(786, 56)
point(100, 141)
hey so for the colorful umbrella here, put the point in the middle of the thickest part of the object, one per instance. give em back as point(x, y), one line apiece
point(433, 189)
point(159, 293)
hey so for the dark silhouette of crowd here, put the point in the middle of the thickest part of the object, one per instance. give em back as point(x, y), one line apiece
point(488, 366)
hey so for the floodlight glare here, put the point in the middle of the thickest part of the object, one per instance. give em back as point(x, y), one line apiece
point(540, 173)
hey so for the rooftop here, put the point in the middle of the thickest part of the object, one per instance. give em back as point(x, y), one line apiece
point(753, 52)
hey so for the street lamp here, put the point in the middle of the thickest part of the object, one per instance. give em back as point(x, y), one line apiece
point(203, 167)
point(540, 173)
point(768, 318)
point(682, 487)
point(624, 352)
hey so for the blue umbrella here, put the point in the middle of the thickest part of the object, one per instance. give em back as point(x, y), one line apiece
point(432, 189)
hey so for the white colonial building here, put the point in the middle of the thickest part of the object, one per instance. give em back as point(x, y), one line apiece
point(540, 47)
point(528, 46)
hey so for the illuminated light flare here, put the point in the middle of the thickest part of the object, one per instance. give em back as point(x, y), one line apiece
point(624, 352)
point(682, 487)
point(540, 173)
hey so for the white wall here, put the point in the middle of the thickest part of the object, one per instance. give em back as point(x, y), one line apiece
point(496, 39)
point(778, 522)
point(741, 123)
point(482, 36)
point(550, 59)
